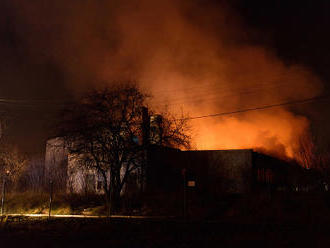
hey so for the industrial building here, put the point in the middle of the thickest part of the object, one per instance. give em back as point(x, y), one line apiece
point(166, 169)
point(221, 171)
point(217, 171)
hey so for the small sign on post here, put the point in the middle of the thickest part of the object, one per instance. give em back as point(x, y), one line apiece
point(191, 183)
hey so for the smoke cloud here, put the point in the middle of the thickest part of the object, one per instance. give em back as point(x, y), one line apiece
point(195, 56)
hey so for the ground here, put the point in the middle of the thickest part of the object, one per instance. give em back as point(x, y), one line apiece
point(286, 219)
point(91, 232)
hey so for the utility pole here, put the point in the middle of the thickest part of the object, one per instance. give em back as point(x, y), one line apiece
point(145, 127)
point(110, 200)
point(184, 193)
point(3, 196)
point(145, 145)
point(50, 197)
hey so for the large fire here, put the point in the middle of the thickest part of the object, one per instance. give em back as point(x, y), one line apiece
point(198, 59)
point(274, 131)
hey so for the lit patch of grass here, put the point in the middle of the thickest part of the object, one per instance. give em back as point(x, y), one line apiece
point(62, 210)
point(95, 211)
point(38, 203)
point(25, 203)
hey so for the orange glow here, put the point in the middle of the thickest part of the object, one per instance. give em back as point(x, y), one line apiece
point(191, 58)
point(201, 72)
point(273, 131)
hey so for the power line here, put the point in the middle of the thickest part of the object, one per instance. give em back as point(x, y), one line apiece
point(21, 102)
point(214, 85)
point(216, 90)
point(257, 108)
point(214, 97)
point(3, 100)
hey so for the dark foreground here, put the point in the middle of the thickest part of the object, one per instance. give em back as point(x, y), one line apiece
point(85, 232)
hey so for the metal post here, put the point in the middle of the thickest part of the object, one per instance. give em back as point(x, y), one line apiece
point(3, 196)
point(109, 202)
point(184, 194)
point(50, 197)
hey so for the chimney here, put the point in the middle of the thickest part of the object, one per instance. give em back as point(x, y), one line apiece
point(156, 129)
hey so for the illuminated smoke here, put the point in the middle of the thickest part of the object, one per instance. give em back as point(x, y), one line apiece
point(196, 57)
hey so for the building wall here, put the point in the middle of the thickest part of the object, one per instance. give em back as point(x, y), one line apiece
point(83, 180)
point(229, 171)
point(68, 175)
point(223, 171)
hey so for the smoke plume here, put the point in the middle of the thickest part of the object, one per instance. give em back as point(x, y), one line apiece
point(191, 55)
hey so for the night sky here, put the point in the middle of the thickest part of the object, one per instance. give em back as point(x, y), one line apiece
point(34, 84)
point(298, 32)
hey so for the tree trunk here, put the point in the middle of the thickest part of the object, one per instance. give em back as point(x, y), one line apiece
point(108, 203)
point(115, 200)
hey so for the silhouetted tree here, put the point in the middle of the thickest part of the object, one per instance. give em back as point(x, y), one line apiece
point(311, 154)
point(307, 152)
point(315, 155)
point(103, 131)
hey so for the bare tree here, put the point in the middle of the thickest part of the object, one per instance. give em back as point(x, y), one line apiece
point(313, 154)
point(12, 163)
point(33, 174)
point(104, 130)
point(169, 130)
point(307, 152)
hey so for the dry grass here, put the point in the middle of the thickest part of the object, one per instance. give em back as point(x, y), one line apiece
point(38, 203)
point(27, 202)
